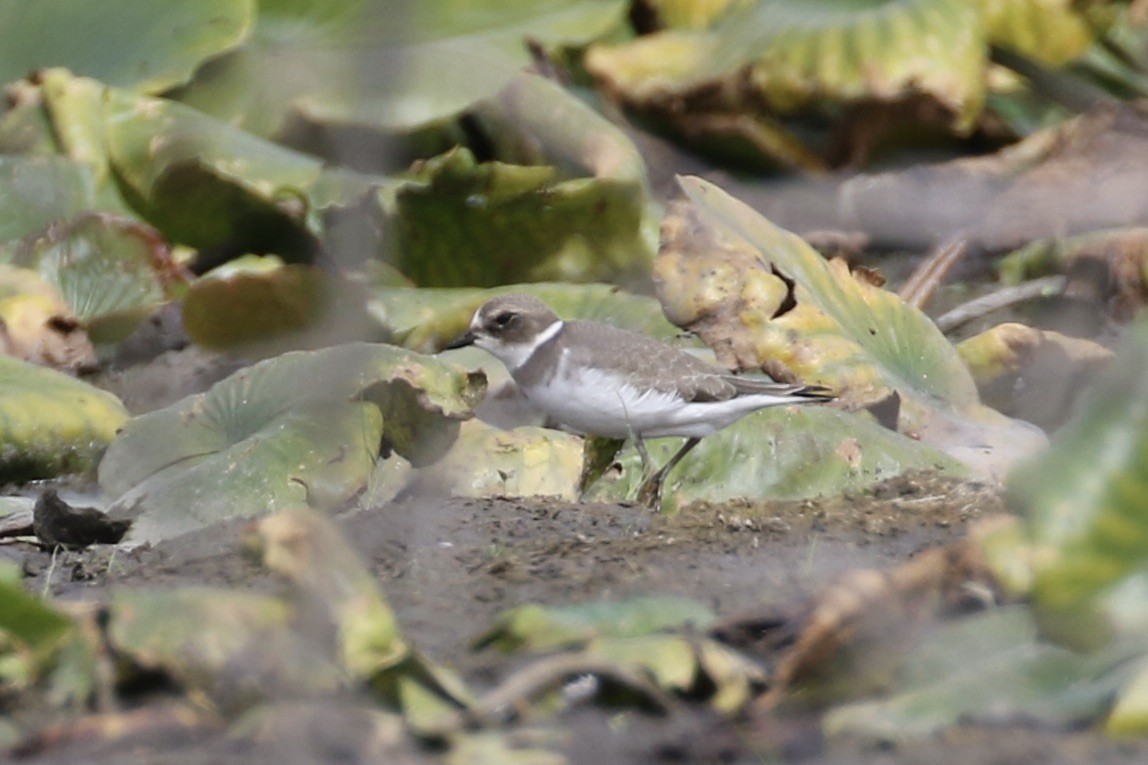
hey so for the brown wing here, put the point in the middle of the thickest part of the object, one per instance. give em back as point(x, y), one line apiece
point(664, 367)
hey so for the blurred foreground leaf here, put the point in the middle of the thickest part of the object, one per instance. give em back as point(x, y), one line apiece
point(51, 424)
point(301, 428)
point(1085, 504)
point(238, 648)
point(621, 639)
point(41, 644)
point(28, 622)
point(988, 669)
point(534, 627)
point(308, 550)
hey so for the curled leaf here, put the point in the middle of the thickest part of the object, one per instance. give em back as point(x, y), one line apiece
point(303, 428)
point(462, 222)
point(112, 271)
point(258, 306)
point(1084, 504)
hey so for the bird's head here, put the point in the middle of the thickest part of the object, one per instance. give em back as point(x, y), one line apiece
point(510, 327)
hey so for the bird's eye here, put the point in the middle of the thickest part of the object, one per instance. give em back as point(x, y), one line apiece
point(503, 318)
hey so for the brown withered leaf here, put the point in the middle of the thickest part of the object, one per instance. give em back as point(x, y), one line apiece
point(855, 633)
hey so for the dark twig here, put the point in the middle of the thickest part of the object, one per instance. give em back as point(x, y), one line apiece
point(1047, 286)
point(922, 284)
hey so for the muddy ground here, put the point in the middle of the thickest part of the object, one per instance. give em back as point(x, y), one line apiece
point(449, 566)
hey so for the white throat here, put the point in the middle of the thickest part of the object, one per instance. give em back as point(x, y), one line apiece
point(514, 355)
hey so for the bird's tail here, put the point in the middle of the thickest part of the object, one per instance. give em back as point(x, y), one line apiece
point(750, 386)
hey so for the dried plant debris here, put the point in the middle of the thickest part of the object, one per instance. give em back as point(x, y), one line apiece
point(55, 522)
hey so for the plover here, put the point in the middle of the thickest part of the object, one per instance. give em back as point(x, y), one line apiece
point(599, 380)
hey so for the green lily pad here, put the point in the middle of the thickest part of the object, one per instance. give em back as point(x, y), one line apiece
point(258, 306)
point(51, 424)
point(844, 332)
point(487, 461)
point(238, 648)
point(534, 121)
point(145, 48)
point(426, 65)
point(303, 428)
point(630, 634)
point(779, 453)
point(1051, 31)
point(112, 271)
point(38, 191)
point(534, 627)
point(426, 319)
point(459, 222)
point(1084, 505)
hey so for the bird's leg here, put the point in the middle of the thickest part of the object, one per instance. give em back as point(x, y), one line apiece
point(647, 463)
point(650, 493)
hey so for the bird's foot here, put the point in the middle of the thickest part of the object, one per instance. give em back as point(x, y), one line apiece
point(650, 492)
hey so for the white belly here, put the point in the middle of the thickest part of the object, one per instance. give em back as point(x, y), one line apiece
point(596, 403)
